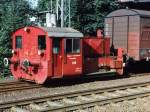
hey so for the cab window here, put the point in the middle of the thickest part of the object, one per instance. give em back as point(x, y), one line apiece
point(72, 45)
point(18, 42)
point(76, 45)
point(56, 45)
point(69, 46)
point(41, 42)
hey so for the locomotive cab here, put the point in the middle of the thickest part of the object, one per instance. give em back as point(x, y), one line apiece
point(41, 53)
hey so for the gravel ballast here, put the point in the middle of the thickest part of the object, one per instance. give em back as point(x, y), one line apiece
point(24, 94)
point(137, 105)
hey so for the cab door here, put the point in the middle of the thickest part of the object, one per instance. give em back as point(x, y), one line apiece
point(73, 59)
point(57, 57)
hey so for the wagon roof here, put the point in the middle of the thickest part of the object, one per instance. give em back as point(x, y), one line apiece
point(129, 12)
point(62, 32)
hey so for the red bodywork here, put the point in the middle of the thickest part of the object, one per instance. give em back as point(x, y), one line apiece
point(56, 61)
point(47, 64)
point(97, 55)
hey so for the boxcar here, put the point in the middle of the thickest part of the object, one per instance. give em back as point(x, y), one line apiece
point(130, 29)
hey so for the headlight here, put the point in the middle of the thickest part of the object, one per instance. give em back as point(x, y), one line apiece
point(12, 51)
point(40, 52)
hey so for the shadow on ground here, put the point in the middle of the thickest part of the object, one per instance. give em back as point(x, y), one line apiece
point(135, 68)
point(78, 80)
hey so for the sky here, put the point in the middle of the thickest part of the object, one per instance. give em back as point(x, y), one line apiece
point(33, 2)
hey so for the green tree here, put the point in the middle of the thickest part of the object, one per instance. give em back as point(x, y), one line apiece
point(86, 15)
point(90, 14)
point(44, 5)
point(13, 14)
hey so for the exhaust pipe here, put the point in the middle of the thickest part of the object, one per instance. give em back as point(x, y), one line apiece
point(50, 20)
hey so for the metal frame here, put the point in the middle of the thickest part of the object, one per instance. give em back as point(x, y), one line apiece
point(63, 12)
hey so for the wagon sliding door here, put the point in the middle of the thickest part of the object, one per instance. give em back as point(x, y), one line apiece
point(57, 57)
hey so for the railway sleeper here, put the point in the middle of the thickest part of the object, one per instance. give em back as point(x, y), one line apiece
point(82, 111)
point(141, 89)
point(122, 92)
point(101, 97)
point(53, 104)
point(133, 90)
point(37, 107)
point(18, 109)
point(84, 98)
point(147, 88)
point(107, 94)
point(68, 101)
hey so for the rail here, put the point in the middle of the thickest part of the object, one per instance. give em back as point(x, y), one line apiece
point(16, 86)
point(79, 100)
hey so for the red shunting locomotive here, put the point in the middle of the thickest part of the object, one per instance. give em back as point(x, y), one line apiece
point(43, 53)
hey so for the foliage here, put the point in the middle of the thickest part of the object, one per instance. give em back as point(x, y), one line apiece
point(87, 15)
point(45, 5)
point(90, 14)
point(13, 14)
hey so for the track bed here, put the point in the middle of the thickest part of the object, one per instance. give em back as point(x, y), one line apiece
point(72, 87)
point(80, 100)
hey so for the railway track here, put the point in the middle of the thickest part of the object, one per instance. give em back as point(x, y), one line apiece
point(16, 86)
point(79, 100)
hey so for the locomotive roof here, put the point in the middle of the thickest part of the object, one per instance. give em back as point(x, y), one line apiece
point(129, 12)
point(62, 32)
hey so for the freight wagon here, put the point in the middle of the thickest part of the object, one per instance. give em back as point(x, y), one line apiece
point(130, 29)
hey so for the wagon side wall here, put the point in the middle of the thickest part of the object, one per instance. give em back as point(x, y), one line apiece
point(134, 37)
point(124, 33)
